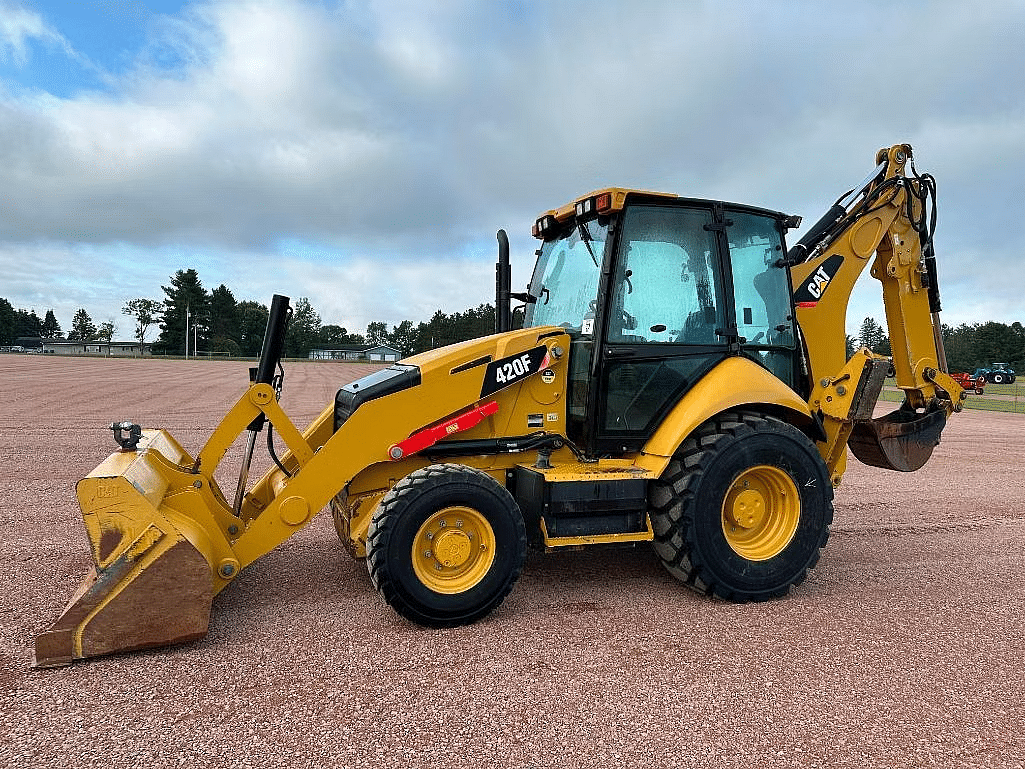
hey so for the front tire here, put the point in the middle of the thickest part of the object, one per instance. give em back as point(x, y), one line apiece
point(744, 509)
point(445, 545)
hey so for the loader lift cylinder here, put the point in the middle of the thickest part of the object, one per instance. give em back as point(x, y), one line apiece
point(270, 357)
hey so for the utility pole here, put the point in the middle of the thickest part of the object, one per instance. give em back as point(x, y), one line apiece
point(186, 332)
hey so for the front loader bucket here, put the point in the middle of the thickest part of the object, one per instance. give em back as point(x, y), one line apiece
point(150, 584)
point(162, 534)
point(902, 440)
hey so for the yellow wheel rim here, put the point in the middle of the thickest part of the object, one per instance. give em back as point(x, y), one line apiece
point(761, 512)
point(453, 550)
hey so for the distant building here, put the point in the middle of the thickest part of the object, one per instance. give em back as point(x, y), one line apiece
point(105, 349)
point(377, 352)
point(28, 344)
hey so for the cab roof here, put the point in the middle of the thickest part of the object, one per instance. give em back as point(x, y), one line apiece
point(610, 200)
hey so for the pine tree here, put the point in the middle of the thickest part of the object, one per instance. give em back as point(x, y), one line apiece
point(403, 337)
point(252, 324)
point(186, 311)
point(224, 321)
point(874, 337)
point(82, 326)
point(7, 317)
point(377, 333)
point(303, 329)
point(27, 323)
point(332, 337)
point(106, 331)
point(51, 328)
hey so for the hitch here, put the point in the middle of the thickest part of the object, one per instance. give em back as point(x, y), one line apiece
point(127, 435)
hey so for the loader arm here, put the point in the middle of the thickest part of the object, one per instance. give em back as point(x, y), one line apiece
point(165, 539)
point(889, 219)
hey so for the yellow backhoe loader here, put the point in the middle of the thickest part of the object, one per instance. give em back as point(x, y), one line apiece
point(673, 375)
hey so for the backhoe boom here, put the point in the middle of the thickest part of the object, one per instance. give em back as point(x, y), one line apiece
point(889, 219)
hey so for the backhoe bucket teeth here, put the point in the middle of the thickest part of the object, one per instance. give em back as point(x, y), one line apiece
point(151, 584)
point(902, 440)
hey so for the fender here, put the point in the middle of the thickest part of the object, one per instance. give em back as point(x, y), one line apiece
point(733, 383)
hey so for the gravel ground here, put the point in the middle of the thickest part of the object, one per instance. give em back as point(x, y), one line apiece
point(904, 648)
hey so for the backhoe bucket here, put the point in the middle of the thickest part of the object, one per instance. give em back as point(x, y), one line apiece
point(902, 440)
point(151, 583)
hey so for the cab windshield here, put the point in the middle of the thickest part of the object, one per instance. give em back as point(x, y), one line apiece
point(565, 280)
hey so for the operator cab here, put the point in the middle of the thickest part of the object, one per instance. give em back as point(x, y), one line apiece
point(654, 291)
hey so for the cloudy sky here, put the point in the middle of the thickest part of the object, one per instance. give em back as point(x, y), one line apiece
point(363, 153)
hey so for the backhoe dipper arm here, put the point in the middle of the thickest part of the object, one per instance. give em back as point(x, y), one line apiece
point(891, 217)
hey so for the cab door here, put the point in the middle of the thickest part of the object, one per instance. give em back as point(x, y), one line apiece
point(664, 320)
point(691, 284)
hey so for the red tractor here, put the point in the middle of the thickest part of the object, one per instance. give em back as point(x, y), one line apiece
point(970, 382)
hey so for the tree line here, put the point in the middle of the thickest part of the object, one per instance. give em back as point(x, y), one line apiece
point(15, 324)
point(190, 318)
point(218, 323)
point(968, 346)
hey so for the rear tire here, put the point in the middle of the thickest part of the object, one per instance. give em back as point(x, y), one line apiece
point(744, 509)
point(445, 545)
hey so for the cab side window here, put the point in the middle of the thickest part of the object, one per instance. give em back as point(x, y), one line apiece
point(666, 287)
point(760, 281)
point(763, 313)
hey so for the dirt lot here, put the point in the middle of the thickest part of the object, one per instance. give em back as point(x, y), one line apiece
point(904, 648)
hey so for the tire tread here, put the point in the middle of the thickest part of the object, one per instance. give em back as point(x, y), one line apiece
point(386, 517)
point(672, 509)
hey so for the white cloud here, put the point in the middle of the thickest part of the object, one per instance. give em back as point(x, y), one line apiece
point(398, 136)
point(363, 289)
point(18, 26)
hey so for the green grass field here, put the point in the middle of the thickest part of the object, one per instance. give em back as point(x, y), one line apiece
point(1008, 398)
